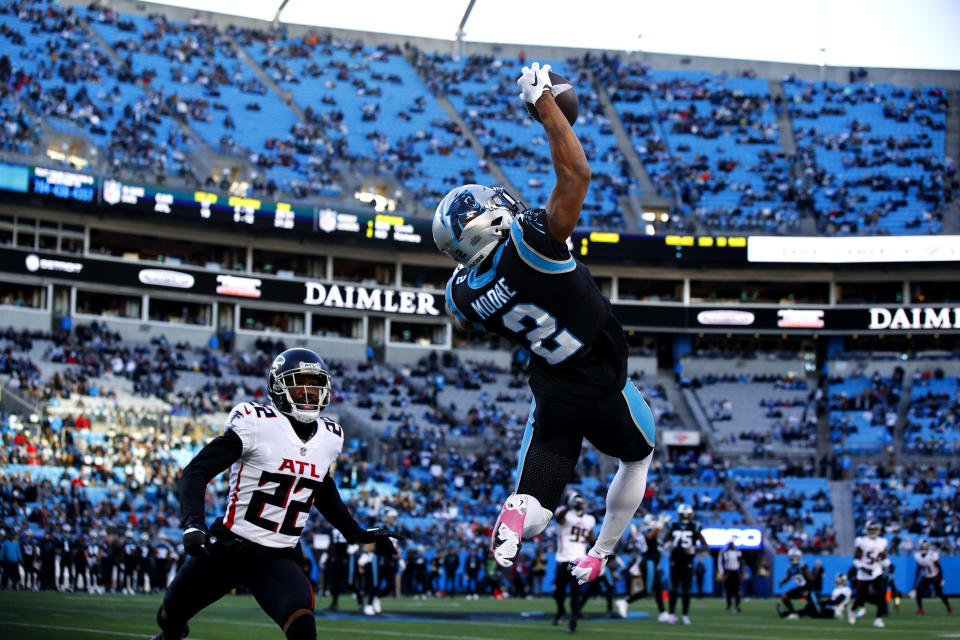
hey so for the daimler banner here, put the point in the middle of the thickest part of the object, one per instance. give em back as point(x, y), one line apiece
point(791, 320)
point(168, 280)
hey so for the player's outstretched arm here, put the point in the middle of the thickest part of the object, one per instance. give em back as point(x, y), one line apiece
point(570, 166)
point(569, 161)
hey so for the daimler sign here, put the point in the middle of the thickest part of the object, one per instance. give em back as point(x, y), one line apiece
point(915, 318)
point(370, 299)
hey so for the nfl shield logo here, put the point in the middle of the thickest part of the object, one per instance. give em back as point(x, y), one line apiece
point(328, 220)
point(111, 192)
point(303, 451)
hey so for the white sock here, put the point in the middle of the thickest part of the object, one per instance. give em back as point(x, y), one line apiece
point(537, 518)
point(623, 499)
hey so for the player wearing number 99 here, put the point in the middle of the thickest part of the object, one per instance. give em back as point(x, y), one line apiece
point(516, 278)
point(279, 459)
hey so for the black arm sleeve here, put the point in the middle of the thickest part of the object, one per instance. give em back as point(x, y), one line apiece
point(222, 452)
point(331, 507)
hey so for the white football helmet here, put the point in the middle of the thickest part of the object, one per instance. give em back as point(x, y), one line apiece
point(795, 556)
point(872, 529)
point(471, 220)
point(840, 580)
point(685, 513)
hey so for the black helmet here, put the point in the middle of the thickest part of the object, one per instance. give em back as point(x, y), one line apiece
point(288, 372)
point(577, 503)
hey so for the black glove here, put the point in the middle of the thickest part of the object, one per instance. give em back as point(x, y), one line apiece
point(383, 546)
point(196, 537)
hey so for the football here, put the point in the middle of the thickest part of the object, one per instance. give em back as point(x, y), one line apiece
point(566, 99)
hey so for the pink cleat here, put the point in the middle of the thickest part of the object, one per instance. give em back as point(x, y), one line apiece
point(587, 568)
point(508, 531)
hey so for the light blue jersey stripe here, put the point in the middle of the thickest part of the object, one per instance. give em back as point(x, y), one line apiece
point(450, 303)
point(476, 280)
point(535, 259)
point(527, 436)
point(640, 412)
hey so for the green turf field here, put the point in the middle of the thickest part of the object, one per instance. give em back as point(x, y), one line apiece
point(49, 616)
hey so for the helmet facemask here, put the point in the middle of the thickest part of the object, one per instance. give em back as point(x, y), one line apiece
point(302, 391)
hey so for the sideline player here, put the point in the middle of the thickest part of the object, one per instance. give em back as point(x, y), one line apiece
point(869, 553)
point(279, 459)
point(682, 538)
point(928, 561)
point(800, 578)
point(575, 530)
point(517, 278)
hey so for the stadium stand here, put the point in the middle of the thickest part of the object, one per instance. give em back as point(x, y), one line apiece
point(795, 509)
point(931, 425)
point(863, 411)
point(873, 155)
point(711, 140)
point(729, 402)
point(914, 502)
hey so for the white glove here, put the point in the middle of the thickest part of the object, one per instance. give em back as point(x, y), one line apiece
point(533, 81)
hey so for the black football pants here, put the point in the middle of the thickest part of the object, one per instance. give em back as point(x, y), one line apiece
point(277, 584)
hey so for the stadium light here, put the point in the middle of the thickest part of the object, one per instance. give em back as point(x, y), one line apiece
point(276, 16)
point(463, 21)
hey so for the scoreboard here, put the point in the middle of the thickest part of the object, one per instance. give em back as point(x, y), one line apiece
point(205, 208)
point(202, 209)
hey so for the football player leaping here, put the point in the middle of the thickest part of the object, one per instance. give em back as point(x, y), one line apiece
point(517, 278)
point(279, 459)
point(928, 561)
point(868, 556)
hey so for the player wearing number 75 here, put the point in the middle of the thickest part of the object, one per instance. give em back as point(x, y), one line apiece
point(279, 459)
point(517, 278)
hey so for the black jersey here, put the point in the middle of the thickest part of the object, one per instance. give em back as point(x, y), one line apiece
point(532, 291)
point(683, 539)
point(797, 575)
point(653, 549)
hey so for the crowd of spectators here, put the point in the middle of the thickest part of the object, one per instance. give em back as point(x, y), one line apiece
point(931, 427)
point(872, 155)
point(788, 509)
point(913, 501)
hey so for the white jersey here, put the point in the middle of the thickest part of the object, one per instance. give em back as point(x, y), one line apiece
point(572, 536)
point(873, 551)
point(841, 597)
point(928, 562)
point(274, 483)
point(730, 559)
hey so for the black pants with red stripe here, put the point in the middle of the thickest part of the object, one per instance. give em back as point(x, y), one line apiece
point(872, 591)
point(271, 575)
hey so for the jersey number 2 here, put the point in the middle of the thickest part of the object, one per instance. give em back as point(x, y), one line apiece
point(546, 329)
